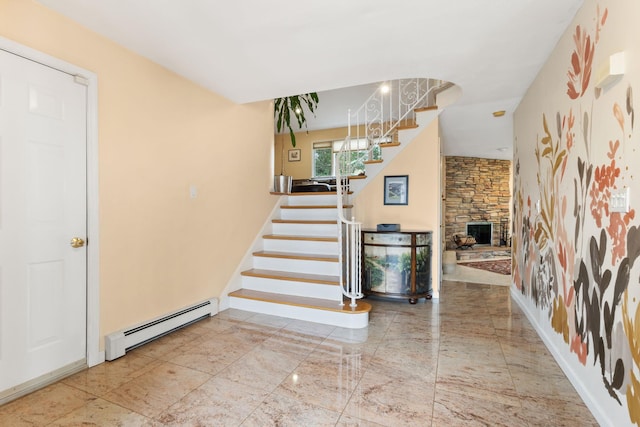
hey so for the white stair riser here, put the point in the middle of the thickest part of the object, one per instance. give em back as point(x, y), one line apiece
point(326, 230)
point(287, 287)
point(318, 214)
point(350, 321)
point(325, 199)
point(301, 246)
point(296, 265)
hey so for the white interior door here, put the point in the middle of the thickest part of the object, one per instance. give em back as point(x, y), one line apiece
point(42, 207)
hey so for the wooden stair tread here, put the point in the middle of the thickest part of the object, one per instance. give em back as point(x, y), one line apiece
point(358, 177)
point(313, 206)
point(315, 193)
point(296, 277)
point(407, 126)
point(297, 237)
point(418, 110)
point(299, 256)
point(389, 144)
point(311, 193)
point(315, 303)
point(369, 162)
point(305, 221)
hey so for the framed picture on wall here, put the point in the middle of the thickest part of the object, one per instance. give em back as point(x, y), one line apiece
point(294, 155)
point(396, 190)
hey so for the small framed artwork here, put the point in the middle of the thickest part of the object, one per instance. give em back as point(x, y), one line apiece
point(396, 190)
point(294, 155)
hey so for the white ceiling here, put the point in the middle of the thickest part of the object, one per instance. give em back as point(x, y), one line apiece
point(253, 50)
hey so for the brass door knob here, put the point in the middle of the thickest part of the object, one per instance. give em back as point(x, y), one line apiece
point(77, 242)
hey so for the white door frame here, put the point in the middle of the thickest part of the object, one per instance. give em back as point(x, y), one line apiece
point(94, 355)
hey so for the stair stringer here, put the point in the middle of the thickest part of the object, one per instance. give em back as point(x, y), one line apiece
point(406, 137)
point(235, 282)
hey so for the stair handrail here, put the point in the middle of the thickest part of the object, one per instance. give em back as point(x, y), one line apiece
point(375, 122)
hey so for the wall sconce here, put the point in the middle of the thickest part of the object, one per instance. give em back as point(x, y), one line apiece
point(610, 71)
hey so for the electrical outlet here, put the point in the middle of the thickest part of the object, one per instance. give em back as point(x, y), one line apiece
point(193, 191)
point(619, 201)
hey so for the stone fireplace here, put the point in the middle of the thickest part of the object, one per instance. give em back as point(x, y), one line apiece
point(477, 192)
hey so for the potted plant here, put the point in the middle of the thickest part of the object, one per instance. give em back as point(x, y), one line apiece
point(284, 110)
point(282, 183)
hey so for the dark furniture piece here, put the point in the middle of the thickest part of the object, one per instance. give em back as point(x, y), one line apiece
point(397, 264)
point(313, 185)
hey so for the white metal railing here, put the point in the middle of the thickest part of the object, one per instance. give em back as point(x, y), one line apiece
point(388, 108)
point(391, 106)
point(349, 241)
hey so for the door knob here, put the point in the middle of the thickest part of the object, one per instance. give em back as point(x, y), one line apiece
point(77, 242)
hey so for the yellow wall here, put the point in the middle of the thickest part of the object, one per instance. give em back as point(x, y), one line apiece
point(159, 134)
point(420, 160)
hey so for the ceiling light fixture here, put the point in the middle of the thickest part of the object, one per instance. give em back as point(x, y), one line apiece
point(298, 110)
point(499, 113)
point(384, 88)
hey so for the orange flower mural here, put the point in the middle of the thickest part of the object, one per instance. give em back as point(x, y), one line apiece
point(604, 181)
point(581, 62)
point(600, 22)
point(576, 260)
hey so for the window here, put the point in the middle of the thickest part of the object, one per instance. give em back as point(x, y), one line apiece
point(323, 159)
point(325, 156)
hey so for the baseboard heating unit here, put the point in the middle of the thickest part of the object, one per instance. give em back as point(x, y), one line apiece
point(118, 343)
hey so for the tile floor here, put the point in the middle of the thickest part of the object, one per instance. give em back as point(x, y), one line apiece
point(471, 359)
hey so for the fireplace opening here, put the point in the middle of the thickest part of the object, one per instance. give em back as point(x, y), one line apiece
point(481, 231)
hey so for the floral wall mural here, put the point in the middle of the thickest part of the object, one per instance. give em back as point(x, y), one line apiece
point(576, 259)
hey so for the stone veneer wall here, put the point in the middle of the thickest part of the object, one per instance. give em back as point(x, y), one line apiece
point(476, 190)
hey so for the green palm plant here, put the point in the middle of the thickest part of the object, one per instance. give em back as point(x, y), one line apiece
point(289, 106)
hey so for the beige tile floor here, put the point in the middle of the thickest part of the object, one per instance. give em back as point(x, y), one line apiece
point(471, 359)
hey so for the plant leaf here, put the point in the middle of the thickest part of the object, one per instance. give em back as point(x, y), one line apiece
point(293, 138)
point(286, 106)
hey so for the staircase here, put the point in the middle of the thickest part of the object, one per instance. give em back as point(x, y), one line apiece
point(297, 273)
point(309, 266)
